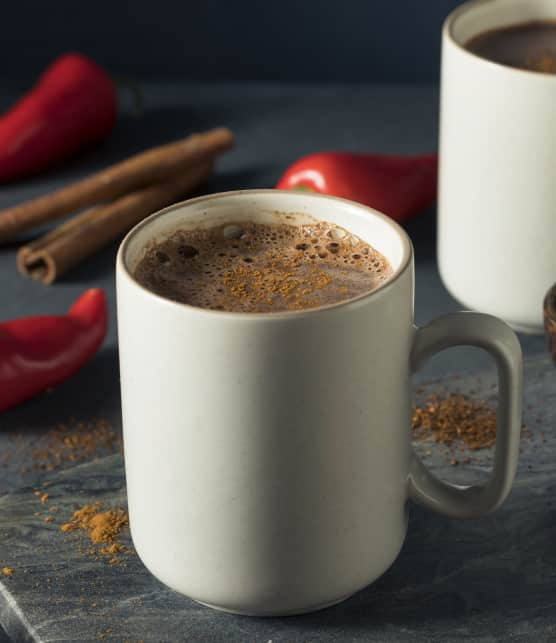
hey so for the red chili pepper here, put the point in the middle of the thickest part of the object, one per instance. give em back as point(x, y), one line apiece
point(39, 352)
point(73, 105)
point(399, 186)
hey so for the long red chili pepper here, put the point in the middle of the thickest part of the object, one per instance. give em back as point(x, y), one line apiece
point(39, 352)
point(73, 105)
point(399, 186)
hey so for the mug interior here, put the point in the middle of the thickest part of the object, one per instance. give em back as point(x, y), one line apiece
point(270, 206)
point(479, 16)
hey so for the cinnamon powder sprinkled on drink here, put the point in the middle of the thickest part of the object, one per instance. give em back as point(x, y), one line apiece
point(279, 280)
point(544, 62)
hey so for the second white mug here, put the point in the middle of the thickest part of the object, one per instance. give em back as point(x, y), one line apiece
point(497, 194)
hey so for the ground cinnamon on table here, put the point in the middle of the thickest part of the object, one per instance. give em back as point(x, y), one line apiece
point(450, 418)
point(68, 442)
point(103, 527)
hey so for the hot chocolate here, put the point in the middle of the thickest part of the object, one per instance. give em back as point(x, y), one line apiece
point(528, 45)
point(257, 267)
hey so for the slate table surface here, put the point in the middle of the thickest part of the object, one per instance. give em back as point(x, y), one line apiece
point(274, 124)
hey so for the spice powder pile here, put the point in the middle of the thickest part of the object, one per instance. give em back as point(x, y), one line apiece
point(102, 527)
point(454, 417)
point(71, 442)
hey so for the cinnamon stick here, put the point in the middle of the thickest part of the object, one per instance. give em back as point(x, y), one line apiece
point(151, 166)
point(51, 256)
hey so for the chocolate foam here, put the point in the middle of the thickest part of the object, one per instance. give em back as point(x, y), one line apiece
point(257, 267)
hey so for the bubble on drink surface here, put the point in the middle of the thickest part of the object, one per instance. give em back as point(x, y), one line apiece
point(337, 233)
point(187, 252)
point(162, 256)
point(232, 231)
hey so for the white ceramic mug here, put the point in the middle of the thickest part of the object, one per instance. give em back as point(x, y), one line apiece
point(268, 456)
point(497, 196)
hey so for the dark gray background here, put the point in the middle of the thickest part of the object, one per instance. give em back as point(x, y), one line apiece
point(287, 40)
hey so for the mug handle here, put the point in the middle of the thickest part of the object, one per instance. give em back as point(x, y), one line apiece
point(493, 335)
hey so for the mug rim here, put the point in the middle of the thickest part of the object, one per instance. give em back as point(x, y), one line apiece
point(405, 262)
point(448, 36)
